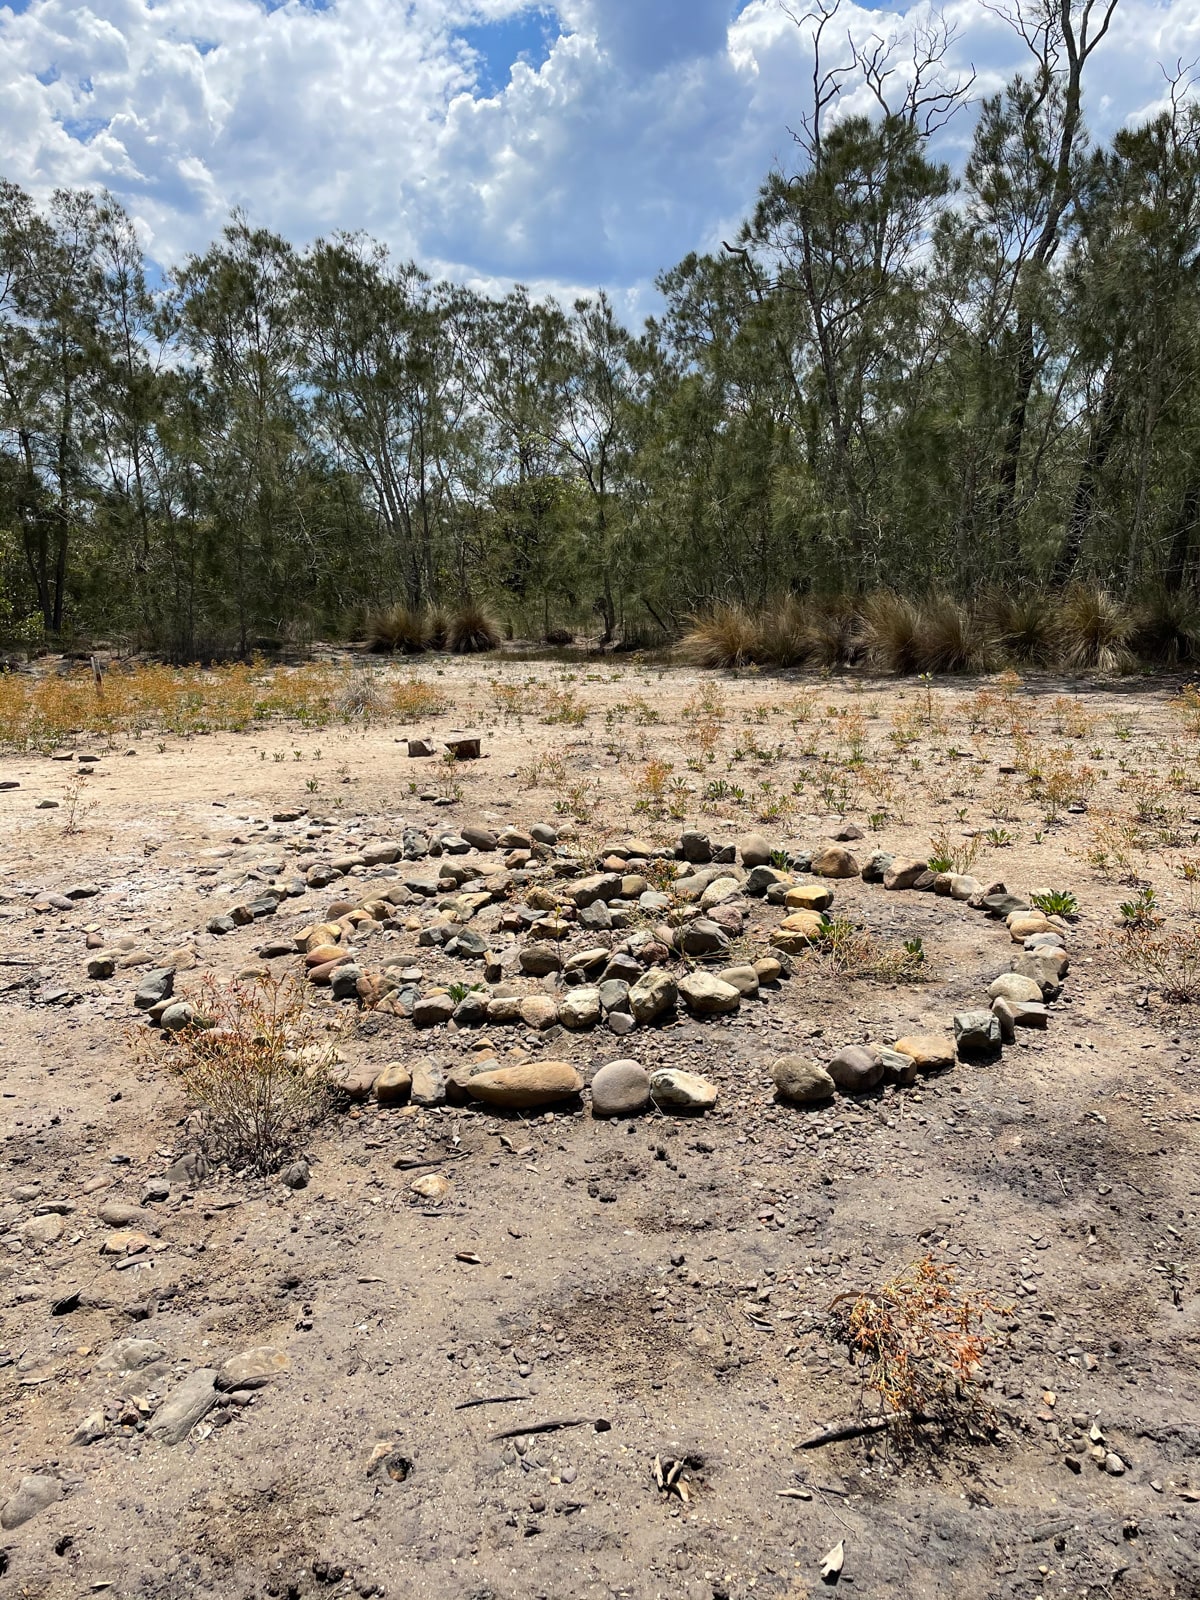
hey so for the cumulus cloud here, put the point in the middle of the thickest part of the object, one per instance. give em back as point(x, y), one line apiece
point(642, 133)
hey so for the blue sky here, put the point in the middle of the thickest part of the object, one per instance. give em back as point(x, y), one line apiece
point(570, 145)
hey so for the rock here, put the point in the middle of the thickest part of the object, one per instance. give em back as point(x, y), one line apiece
point(544, 833)
point(930, 1051)
point(178, 1016)
point(802, 1081)
point(879, 864)
point(432, 1009)
point(539, 959)
point(1023, 925)
point(125, 1242)
point(963, 886)
point(620, 1023)
point(524, 1087)
point(464, 749)
point(1002, 904)
point(808, 897)
point(43, 1230)
point(977, 1033)
point(184, 1407)
point(848, 832)
point(114, 1212)
point(614, 995)
point(718, 892)
point(768, 969)
point(1113, 1464)
point(743, 979)
point(702, 938)
point(432, 1186)
point(91, 1429)
point(754, 850)
point(471, 1010)
point(904, 872)
point(654, 993)
point(296, 1175)
point(1012, 986)
point(188, 1170)
point(897, 1067)
point(580, 1009)
point(620, 1089)
point(857, 1069)
point(695, 847)
point(419, 748)
point(1046, 967)
point(797, 931)
point(676, 1090)
point(101, 967)
point(155, 987)
point(34, 1494)
point(480, 838)
point(252, 1368)
point(761, 879)
point(1014, 1014)
point(393, 1084)
point(539, 1011)
point(428, 1087)
point(834, 862)
point(515, 839)
point(705, 995)
point(131, 1355)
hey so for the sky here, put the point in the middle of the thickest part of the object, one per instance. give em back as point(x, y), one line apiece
point(571, 146)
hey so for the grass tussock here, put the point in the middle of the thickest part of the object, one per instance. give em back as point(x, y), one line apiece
point(472, 630)
point(400, 629)
point(1166, 628)
point(1094, 630)
point(726, 635)
point(254, 1071)
point(42, 711)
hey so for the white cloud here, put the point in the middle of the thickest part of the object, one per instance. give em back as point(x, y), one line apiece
point(642, 135)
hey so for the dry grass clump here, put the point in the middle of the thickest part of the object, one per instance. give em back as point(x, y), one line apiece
point(921, 1342)
point(893, 632)
point(253, 1070)
point(726, 635)
point(848, 951)
point(471, 630)
point(1166, 960)
point(40, 712)
point(1166, 628)
point(785, 636)
point(1093, 630)
point(1022, 626)
point(403, 628)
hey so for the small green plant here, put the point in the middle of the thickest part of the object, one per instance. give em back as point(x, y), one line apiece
point(998, 838)
point(1056, 902)
point(916, 949)
point(458, 992)
point(779, 860)
point(1142, 911)
point(877, 821)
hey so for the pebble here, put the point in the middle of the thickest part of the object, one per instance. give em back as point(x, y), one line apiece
point(801, 1080)
point(681, 1091)
point(620, 1088)
point(857, 1069)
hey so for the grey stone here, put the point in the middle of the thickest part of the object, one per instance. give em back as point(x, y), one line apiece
point(904, 873)
point(1047, 968)
point(155, 987)
point(580, 1009)
point(544, 833)
point(802, 1081)
point(754, 850)
point(428, 1084)
point(620, 1088)
point(1012, 986)
point(614, 995)
point(681, 1091)
point(653, 994)
point(977, 1033)
point(177, 1017)
point(897, 1067)
point(761, 879)
point(186, 1405)
point(596, 916)
point(34, 1494)
point(343, 982)
point(480, 838)
point(539, 959)
point(251, 1369)
point(705, 995)
point(620, 1023)
point(743, 979)
point(131, 1355)
point(695, 846)
point(623, 968)
point(857, 1069)
point(471, 1010)
point(296, 1175)
point(702, 938)
point(432, 1009)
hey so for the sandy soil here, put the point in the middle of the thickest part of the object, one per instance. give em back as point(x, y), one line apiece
point(666, 1274)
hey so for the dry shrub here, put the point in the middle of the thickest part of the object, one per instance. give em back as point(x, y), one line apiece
point(1167, 961)
point(893, 632)
point(1093, 630)
point(786, 637)
point(922, 1342)
point(471, 630)
point(837, 634)
point(1166, 628)
point(954, 639)
point(438, 619)
point(254, 1071)
point(1022, 625)
point(411, 699)
point(848, 951)
point(361, 696)
point(400, 627)
point(725, 635)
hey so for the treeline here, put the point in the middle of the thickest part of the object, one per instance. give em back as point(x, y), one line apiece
point(895, 377)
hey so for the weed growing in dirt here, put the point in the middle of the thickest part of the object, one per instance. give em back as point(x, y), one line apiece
point(1168, 961)
point(253, 1069)
point(848, 951)
point(921, 1341)
point(1055, 902)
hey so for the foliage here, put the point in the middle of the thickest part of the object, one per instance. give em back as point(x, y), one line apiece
point(921, 1341)
point(253, 1069)
point(848, 951)
point(471, 629)
point(1168, 960)
point(1055, 902)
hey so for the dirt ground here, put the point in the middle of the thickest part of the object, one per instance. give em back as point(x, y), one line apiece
point(666, 1274)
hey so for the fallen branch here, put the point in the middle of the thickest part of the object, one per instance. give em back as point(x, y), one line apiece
point(599, 1423)
point(858, 1430)
point(489, 1400)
